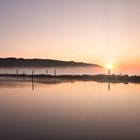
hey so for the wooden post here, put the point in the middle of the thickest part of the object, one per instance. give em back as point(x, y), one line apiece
point(32, 80)
point(46, 72)
point(55, 72)
point(32, 73)
point(109, 72)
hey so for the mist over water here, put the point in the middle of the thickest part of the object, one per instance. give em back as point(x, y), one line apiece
point(70, 70)
point(59, 70)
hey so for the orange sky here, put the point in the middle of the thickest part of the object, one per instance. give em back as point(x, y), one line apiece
point(94, 31)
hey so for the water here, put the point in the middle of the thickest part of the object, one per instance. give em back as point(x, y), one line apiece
point(69, 111)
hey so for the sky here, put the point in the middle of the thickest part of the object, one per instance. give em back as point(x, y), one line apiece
point(94, 31)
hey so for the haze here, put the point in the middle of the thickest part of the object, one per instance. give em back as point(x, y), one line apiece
point(96, 31)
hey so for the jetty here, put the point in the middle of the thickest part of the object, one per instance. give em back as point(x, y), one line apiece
point(98, 78)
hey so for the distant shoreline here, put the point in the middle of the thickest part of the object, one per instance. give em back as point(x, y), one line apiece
point(40, 63)
point(98, 78)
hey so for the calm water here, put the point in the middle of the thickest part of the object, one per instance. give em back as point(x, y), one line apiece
point(69, 111)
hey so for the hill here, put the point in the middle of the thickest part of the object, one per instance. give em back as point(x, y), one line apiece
point(21, 62)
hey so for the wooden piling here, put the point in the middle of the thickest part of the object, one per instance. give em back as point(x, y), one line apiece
point(55, 72)
point(46, 72)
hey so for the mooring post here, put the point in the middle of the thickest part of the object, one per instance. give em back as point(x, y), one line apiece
point(109, 72)
point(33, 80)
point(32, 77)
point(55, 72)
point(46, 72)
point(32, 73)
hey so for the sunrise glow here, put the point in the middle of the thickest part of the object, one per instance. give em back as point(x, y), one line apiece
point(109, 66)
point(69, 69)
point(96, 31)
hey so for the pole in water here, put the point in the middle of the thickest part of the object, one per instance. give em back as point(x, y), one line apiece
point(109, 67)
point(32, 80)
point(32, 76)
point(55, 72)
point(109, 72)
point(46, 72)
point(32, 73)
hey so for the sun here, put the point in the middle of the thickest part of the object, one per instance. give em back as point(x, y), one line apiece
point(109, 66)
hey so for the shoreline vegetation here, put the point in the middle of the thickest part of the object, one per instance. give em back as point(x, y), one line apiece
point(57, 78)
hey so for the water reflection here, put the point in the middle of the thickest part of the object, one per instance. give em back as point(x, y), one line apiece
point(33, 86)
point(69, 111)
point(17, 82)
point(109, 86)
